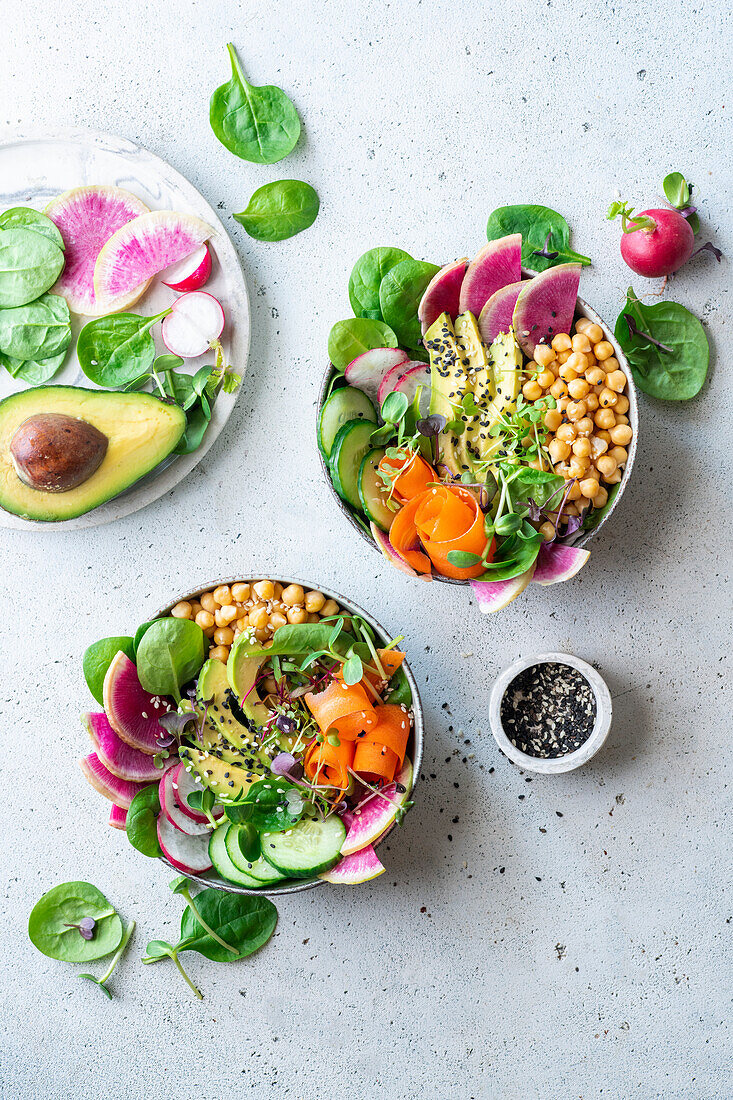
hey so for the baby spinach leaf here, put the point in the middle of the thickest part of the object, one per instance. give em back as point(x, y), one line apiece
point(243, 921)
point(25, 217)
point(141, 825)
point(279, 210)
point(594, 517)
point(170, 654)
point(272, 809)
point(97, 659)
point(30, 264)
point(535, 223)
point(53, 925)
point(399, 297)
point(540, 485)
point(398, 690)
point(366, 279)
point(257, 124)
point(303, 639)
point(33, 371)
point(676, 374)
point(197, 421)
point(115, 351)
point(356, 335)
point(139, 634)
point(36, 331)
point(513, 556)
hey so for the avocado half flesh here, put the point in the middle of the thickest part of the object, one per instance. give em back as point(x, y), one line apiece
point(141, 430)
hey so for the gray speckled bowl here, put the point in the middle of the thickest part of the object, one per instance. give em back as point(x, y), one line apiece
point(582, 310)
point(414, 745)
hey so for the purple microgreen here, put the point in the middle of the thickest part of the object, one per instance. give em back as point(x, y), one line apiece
point(634, 330)
point(431, 426)
point(544, 252)
point(174, 724)
point(285, 724)
point(85, 927)
point(283, 764)
point(573, 524)
point(709, 247)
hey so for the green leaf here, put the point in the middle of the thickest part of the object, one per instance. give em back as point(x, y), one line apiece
point(36, 331)
point(279, 210)
point(115, 351)
point(30, 264)
point(594, 517)
point(366, 279)
point(394, 407)
point(33, 371)
point(676, 190)
point(272, 809)
point(302, 640)
point(246, 922)
point(354, 336)
point(170, 654)
point(97, 659)
point(352, 670)
point(398, 690)
point(514, 556)
point(141, 821)
point(534, 223)
point(197, 421)
point(257, 124)
point(463, 559)
point(675, 375)
point(64, 906)
point(399, 297)
point(139, 634)
point(25, 217)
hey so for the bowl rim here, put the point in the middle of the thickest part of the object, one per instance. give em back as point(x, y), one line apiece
point(582, 309)
point(416, 735)
point(555, 765)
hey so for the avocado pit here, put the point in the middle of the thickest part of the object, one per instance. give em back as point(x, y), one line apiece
point(53, 452)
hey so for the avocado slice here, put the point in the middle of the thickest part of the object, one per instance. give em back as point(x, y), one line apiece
point(448, 385)
point(225, 771)
point(242, 670)
point(222, 722)
point(140, 429)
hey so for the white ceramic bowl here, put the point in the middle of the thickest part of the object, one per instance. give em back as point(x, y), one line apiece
point(571, 760)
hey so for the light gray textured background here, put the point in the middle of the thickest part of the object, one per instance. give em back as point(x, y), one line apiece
point(564, 938)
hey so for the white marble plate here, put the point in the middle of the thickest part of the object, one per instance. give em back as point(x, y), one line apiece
point(35, 168)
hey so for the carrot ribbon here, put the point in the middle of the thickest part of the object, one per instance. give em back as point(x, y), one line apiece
point(328, 765)
point(415, 474)
point(380, 751)
point(342, 707)
point(435, 522)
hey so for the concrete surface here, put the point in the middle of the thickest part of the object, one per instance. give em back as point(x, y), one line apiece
point(562, 938)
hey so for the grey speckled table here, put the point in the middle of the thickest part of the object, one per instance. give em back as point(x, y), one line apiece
point(561, 938)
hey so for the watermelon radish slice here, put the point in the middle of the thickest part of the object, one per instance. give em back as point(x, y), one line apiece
point(193, 326)
point(411, 381)
point(119, 791)
point(497, 314)
point(556, 562)
point(133, 714)
point(391, 380)
point(546, 306)
point(118, 817)
point(189, 274)
point(183, 785)
point(118, 757)
point(87, 217)
point(143, 247)
point(353, 869)
point(367, 371)
point(382, 540)
point(442, 294)
point(497, 264)
point(495, 595)
point(189, 854)
point(173, 812)
point(367, 823)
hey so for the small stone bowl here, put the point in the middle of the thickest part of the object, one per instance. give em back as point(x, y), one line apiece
point(571, 760)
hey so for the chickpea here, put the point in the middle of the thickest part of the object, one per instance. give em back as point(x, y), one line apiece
point(581, 342)
point(578, 388)
point(605, 418)
point(578, 361)
point(611, 364)
point(207, 602)
point(532, 390)
point(293, 594)
point(222, 595)
point(562, 357)
point(561, 342)
point(558, 389)
point(595, 375)
point(566, 432)
point(278, 590)
point(329, 608)
point(570, 510)
point(241, 624)
point(553, 420)
point(594, 333)
point(545, 379)
point(313, 617)
point(543, 355)
point(561, 470)
point(598, 447)
point(620, 454)
point(589, 487)
point(620, 418)
point(603, 350)
point(559, 450)
point(258, 617)
point(583, 324)
point(314, 601)
point(621, 434)
point(592, 402)
point(269, 685)
point(195, 608)
point(562, 403)
point(265, 590)
point(241, 591)
point(547, 530)
point(576, 410)
point(277, 619)
point(622, 405)
point(614, 478)
point(574, 492)
point(262, 635)
point(616, 381)
point(578, 466)
point(536, 464)
point(607, 398)
point(606, 466)
point(226, 615)
point(182, 610)
point(603, 434)
point(297, 615)
point(568, 373)
point(219, 653)
point(584, 426)
point(600, 498)
point(205, 620)
point(224, 635)
point(581, 447)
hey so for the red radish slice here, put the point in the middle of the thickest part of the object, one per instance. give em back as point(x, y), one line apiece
point(411, 381)
point(145, 246)
point(196, 322)
point(382, 540)
point(133, 714)
point(183, 785)
point(498, 263)
point(367, 371)
point(118, 817)
point(116, 755)
point(87, 217)
point(189, 854)
point(442, 294)
point(119, 791)
point(168, 805)
point(390, 380)
point(191, 273)
point(356, 868)
point(495, 595)
point(556, 562)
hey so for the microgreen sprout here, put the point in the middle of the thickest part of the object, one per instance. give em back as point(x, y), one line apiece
point(102, 982)
point(630, 224)
point(545, 250)
point(160, 949)
point(182, 886)
point(85, 927)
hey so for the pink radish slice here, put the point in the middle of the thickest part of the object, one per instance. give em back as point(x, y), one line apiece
point(191, 273)
point(367, 371)
point(119, 791)
point(116, 755)
point(368, 822)
point(556, 562)
point(546, 306)
point(87, 217)
point(390, 380)
point(411, 381)
point(118, 817)
point(183, 785)
point(189, 854)
point(197, 320)
point(442, 294)
point(133, 714)
point(496, 595)
point(382, 540)
point(498, 263)
point(351, 870)
point(498, 313)
point(168, 805)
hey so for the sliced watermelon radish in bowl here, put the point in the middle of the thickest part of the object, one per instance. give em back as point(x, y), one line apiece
point(116, 755)
point(370, 821)
point(172, 810)
point(131, 711)
point(194, 325)
point(119, 791)
point(368, 371)
point(188, 854)
point(356, 868)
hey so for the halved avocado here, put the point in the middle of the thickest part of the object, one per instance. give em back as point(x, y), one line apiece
point(221, 717)
point(140, 429)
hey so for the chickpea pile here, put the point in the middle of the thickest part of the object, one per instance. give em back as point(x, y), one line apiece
point(589, 431)
point(260, 606)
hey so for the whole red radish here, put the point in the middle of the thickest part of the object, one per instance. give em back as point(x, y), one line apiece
point(654, 242)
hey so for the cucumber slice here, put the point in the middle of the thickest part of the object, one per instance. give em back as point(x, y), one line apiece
point(265, 873)
point(352, 442)
point(235, 852)
point(343, 405)
point(307, 849)
point(373, 491)
point(222, 862)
